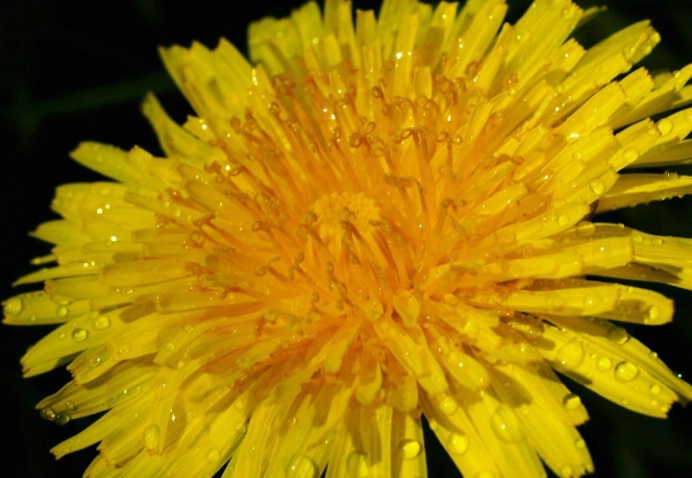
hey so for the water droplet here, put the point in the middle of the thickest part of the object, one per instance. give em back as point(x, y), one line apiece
point(506, 425)
point(300, 466)
point(665, 126)
point(579, 443)
point(410, 449)
point(671, 175)
point(626, 371)
point(101, 322)
point(150, 436)
point(61, 418)
point(567, 13)
point(79, 335)
point(13, 307)
point(618, 335)
point(458, 443)
point(61, 312)
point(100, 356)
point(571, 401)
point(653, 314)
point(448, 404)
point(597, 187)
point(630, 155)
point(571, 354)
point(47, 414)
point(357, 465)
point(563, 219)
point(566, 471)
point(603, 364)
point(655, 389)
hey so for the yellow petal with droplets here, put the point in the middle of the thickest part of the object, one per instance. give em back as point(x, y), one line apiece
point(634, 189)
point(614, 365)
point(555, 439)
point(376, 220)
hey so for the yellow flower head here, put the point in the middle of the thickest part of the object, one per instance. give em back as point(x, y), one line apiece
point(371, 222)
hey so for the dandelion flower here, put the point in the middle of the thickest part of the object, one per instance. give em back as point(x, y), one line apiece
point(370, 222)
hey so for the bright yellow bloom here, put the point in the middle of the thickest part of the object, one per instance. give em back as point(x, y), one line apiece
point(367, 224)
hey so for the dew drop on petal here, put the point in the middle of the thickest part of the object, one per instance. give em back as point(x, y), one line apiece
point(447, 404)
point(618, 335)
point(300, 466)
point(653, 313)
point(13, 307)
point(626, 371)
point(79, 335)
point(357, 465)
point(506, 426)
point(61, 418)
point(630, 154)
point(665, 126)
point(103, 356)
point(655, 389)
point(567, 13)
point(671, 175)
point(597, 187)
point(579, 443)
point(458, 443)
point(571, 401)
point(61, 312)
point(603, 364)
point(410, 449)
point(101, 322)
point(47, 414)
point(566, 471)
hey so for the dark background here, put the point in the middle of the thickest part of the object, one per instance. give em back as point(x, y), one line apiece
point(70, 72)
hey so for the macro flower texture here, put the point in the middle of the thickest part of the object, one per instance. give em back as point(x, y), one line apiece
point(376, 221)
